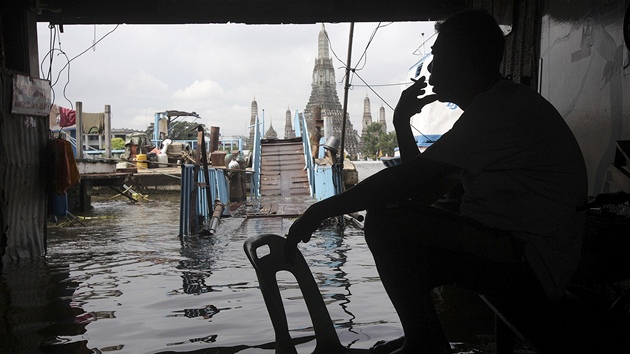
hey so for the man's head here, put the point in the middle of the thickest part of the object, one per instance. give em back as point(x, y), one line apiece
point(467, 54)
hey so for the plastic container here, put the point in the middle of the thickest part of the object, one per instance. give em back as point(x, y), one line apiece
point(162, 160)
point(60, 204)
point(141, 161)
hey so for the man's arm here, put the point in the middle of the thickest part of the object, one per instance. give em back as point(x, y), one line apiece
point(422, 178)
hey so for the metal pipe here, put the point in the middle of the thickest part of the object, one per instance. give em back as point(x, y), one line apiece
point(216, 217)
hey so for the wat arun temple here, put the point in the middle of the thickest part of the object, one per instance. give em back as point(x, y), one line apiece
point(323, 112)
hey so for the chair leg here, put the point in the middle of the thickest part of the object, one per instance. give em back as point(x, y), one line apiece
point(504, 337)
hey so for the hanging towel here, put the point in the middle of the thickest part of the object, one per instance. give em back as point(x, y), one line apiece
point(67, 117)
point(93, 123)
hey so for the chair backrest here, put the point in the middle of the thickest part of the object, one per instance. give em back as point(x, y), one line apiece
point(266, 268)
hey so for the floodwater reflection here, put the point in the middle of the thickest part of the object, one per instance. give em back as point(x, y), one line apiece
point(125, 282)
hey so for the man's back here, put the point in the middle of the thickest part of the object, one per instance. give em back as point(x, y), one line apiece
point(522, 172)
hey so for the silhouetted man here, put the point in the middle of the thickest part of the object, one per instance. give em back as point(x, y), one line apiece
point(517, 233)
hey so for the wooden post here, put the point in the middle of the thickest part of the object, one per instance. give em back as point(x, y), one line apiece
point(108, 131)
point(79, 129)
point(214, 139)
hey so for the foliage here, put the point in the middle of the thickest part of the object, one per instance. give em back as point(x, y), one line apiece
point(376, 143)
point(180, 130)
point(387, 143)
point(118, 143)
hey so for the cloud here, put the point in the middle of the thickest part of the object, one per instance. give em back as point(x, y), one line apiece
point(199, 90)
point(217, 70)
point(143, 84)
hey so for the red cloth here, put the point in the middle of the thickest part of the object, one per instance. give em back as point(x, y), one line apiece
point(65, 173)
point(67, 117)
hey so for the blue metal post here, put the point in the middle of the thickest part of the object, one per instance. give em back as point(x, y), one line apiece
point(202, 201)
point(255, 193)
point(222, 187)
point(184, 205)
point(156, 128)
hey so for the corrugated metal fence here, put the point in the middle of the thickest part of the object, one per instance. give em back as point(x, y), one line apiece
point(23, 200)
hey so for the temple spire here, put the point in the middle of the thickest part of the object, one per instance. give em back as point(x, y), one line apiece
point(322, 52)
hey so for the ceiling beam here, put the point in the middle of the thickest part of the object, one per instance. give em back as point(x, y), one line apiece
point(242, 11)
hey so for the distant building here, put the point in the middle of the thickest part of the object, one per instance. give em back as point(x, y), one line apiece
point(324, 96)
point(289, 132)
point(367, 117)
point(381, 118)
point(271, 133)
point(252, 123)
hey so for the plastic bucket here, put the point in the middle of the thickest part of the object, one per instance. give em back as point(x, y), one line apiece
point(162, 160)
point(60, 204)
point(141, 161)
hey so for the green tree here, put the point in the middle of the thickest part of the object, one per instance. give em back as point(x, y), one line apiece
point(118, 143)
point(387, 143)
point(370, 140)
point(377, 142)
point(180, 130)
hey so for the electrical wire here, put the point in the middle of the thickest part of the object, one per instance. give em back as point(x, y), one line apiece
point(332, 50)
point(68, 61)
point(364, 54)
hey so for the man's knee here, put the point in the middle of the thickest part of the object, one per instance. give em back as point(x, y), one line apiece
point(400, 218)
point(377, 224)
point(387, 225)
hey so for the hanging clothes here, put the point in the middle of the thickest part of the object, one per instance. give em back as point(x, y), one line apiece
point(53, 116)
point(93, 123)
point(63, 169)
point(67, 117)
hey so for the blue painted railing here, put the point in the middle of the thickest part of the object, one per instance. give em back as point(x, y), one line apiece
point(322, 180)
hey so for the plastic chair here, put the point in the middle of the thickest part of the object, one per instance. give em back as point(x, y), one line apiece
point(266, 268)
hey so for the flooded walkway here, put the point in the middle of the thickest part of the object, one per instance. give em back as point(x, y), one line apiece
point(125, 282)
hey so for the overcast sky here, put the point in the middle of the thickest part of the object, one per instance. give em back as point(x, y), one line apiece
point(217, 70)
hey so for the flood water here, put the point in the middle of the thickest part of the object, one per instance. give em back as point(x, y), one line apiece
point(125, 282)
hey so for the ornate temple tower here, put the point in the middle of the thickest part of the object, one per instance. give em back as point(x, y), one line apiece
point(271, 133)
point(252, 121)
point(367, 115)
point(381, 118)
point(324, 95)
point(289, 132)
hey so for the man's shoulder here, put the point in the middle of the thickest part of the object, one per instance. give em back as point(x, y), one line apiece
point(508, 87)
point(507, 95)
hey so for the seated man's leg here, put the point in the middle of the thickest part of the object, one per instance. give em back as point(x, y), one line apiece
point(417, 248)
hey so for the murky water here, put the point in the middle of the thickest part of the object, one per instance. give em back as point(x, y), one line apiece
point(125, 282)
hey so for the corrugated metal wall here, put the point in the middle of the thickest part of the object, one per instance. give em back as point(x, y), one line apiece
point(23, 200)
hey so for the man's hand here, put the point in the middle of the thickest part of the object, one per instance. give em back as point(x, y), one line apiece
point(301, 230)
point(411, 103)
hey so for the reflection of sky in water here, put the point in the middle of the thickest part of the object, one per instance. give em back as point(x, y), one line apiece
point(129, 284)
